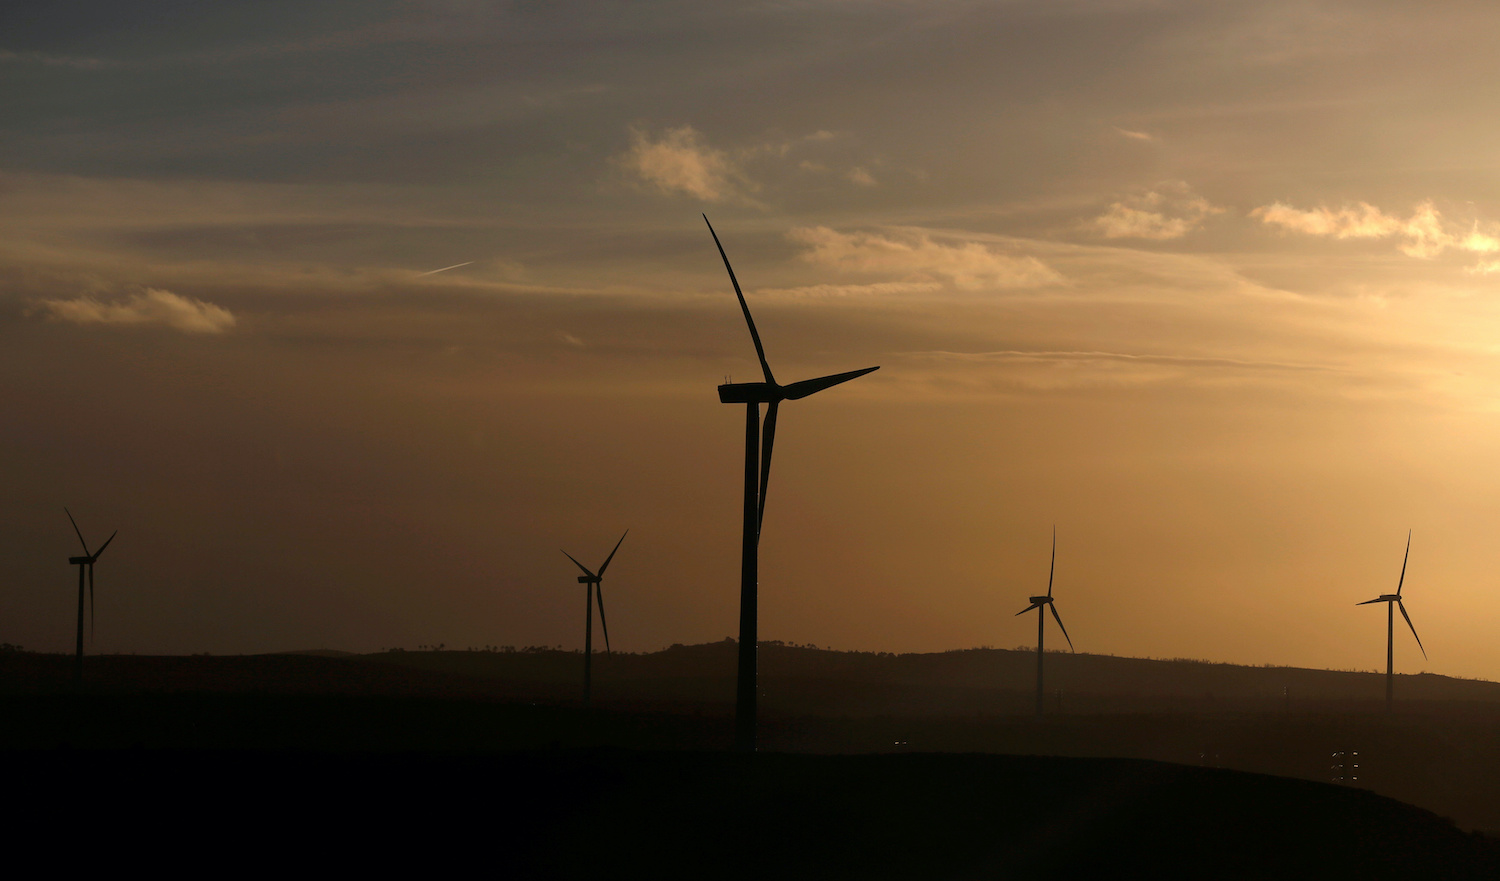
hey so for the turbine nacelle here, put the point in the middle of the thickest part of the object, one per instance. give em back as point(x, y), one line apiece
point(80, 561)
point(1039, 601)
point(1384, 598)
point(750, 393)
point(588, 579)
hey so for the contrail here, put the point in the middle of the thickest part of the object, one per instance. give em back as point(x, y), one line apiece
point(444, 269)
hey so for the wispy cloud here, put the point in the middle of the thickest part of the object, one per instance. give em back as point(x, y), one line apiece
point(74, 61)
point(445, 269)
point(1170, 211)
point(1136, 136)
point(1057, 370)
point(1425, 234)
point(681, 162)
point(1360, 221)
point(1064, 356)
point(149, 307)
point(878, 289)
point(916, 256)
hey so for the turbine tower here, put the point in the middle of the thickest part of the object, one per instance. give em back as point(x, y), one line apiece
point(1041, 604)
point(1392, 603)
point(595, 584)
point(757, 473)
point(85, 564)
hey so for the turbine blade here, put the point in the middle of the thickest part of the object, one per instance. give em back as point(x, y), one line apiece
point(768, 440)
point(106, 543)
point(77, 530)
point(1053, 607)
point(599, 597)
point(1367, 602)
point(612, 554)
point(1402, 606)
point(812, 386)
point(580, 565)
point(1054, 561)
point(760, 351)
point(1403, 563)
point(1028, 609)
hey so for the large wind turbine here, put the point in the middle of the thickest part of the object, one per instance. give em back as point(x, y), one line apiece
point(595, 584)
point(1392, 603)
point(757, 473)
point(1041, 604)
point(85, 564)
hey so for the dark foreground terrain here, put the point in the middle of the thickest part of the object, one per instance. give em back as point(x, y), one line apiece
point(328, 783)
point(448, 761)
point(1440, 752)
point(607, 813)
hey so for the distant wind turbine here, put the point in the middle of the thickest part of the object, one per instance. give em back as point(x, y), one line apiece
point(752, 395)
point(1041, 604)
point(1392, 603)
point(595, 589)
point(85, 564)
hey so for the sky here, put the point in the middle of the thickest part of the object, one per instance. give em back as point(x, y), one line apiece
point(350, 315)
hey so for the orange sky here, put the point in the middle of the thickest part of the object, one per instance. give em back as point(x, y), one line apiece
point(1210, 287)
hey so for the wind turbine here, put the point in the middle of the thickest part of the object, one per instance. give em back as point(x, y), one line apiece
point(752, 395)
point(1041, 604)
point(595, 589)
point(85, 564)
point(1392, 603)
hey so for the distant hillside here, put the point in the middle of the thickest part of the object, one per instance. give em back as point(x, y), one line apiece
point(824, 682)
point(793, 680)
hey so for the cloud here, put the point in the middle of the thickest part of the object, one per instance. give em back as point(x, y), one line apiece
point(1063, 356)
point(1424, 234)
point(149, 307)
point(1480, 243)
point(1124, 222)
point(1362, 221)
point(1136, 136)
point(1170, 211)
point(42, 58)
point(857, 175)
point(1056, 370)
point(884, 288)
point(680, 162)
point(918, 257)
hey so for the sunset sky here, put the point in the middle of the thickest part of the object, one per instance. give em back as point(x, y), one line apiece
point(1212, 287)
